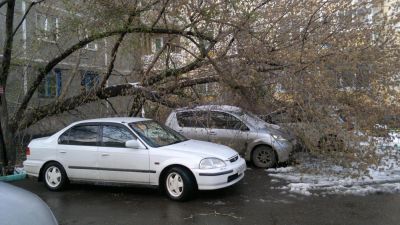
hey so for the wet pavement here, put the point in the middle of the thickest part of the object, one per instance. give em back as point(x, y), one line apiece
point(252, 201)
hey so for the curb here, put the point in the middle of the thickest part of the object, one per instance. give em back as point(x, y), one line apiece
point(14, 177)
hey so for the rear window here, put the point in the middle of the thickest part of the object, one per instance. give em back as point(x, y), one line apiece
point(192, 119)
point(80, 135)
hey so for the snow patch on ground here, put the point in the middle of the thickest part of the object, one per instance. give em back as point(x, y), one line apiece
point(384, 178)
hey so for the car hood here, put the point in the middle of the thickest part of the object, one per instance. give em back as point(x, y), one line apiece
point(22, 207)
point(203, 149)
point(262, 127)
point(273, 129)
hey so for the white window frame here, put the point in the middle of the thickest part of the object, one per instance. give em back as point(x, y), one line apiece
point(155, 44)
point(87, 46)
point(94, 48)
point(45, 38)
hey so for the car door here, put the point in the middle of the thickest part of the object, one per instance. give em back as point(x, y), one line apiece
point(193, 124)
point(118, 163)
point(77, 151)
point(226, 129)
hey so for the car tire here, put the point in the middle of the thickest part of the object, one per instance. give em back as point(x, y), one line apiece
point(264, 157)
point(54, 176)
point(179, 184)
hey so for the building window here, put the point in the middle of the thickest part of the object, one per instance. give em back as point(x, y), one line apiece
point(47, 27)
point(90, 80)
point(158, 43)
point(91, 46)
point(207, 89)
point(50, 86)
point(146, 44)
point(84, 33)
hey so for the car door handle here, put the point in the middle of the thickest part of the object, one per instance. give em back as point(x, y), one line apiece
point(212, 133)
point(180, 131)
point(63, 152)
point(105, 154)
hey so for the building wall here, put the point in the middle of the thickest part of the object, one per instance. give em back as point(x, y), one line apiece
point(32, 50)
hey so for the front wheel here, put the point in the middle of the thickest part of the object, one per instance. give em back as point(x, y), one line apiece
point(179, 184)
point(264, 157)
point(55, 177)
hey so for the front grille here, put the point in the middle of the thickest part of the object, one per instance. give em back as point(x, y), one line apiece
point(234, 159)
point(233, 177)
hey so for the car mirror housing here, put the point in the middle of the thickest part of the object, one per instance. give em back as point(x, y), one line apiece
point(244, 128)
point(135, 144)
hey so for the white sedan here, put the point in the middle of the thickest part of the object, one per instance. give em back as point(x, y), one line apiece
point(132, 151)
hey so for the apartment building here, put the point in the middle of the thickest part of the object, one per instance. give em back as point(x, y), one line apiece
point(43, 35)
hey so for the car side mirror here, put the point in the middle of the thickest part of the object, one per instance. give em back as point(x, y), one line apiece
point(244, 128)
point(135, 144)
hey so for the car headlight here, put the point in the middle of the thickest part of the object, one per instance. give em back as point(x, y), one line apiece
point(278, 137)
point(211, 163)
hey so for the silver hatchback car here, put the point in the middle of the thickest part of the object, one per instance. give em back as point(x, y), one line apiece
point(262, 143)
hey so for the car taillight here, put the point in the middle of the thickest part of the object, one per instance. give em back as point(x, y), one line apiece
point(27, 151)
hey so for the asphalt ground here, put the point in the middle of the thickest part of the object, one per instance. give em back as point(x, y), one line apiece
point(254, 200)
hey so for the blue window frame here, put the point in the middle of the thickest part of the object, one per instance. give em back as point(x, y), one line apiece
point(51, 85)
point(90, 80)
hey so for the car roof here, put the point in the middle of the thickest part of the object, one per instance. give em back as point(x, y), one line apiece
point(227, 108)
point(114, 120)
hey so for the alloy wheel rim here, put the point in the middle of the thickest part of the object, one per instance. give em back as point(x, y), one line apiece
point(175, 184)
point(264, 157)
point(53, 176)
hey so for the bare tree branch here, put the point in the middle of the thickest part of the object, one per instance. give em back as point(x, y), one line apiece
point(3, 3)
point(50, 65)
point(26, 14)
point(112, 91)
point(71, 78)
point(114, 52)
point(111, 105)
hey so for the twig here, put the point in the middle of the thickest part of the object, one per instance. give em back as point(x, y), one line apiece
point(215, 213)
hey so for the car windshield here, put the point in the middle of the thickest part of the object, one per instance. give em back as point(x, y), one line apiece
point(156, 134)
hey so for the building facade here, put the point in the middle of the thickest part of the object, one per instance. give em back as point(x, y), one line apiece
point(43, 35)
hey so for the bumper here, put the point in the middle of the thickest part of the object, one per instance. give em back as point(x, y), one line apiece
point(32, 167)
point(283, 150)
point(220, 178)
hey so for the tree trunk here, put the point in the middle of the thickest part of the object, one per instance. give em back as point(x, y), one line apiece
point(8, 148)
point(3, 154)
point(7, 144)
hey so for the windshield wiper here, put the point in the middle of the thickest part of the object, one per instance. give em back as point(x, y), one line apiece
point(175, 142)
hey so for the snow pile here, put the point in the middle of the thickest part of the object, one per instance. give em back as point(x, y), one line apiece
point(333, 179)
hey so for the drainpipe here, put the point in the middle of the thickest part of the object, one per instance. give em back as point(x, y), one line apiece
point(105, 65)
point(25, 67)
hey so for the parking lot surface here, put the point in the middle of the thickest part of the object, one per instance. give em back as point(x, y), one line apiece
point(252, 201)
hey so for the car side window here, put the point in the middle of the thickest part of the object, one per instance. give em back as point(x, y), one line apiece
point(198, 119)
point(221, 120)
point(80, 135)
point(64, 138)
point(116, 136)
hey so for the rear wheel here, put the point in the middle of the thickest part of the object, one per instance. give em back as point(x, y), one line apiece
point(54, 177)
point(179, 184)
point(264, 157)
